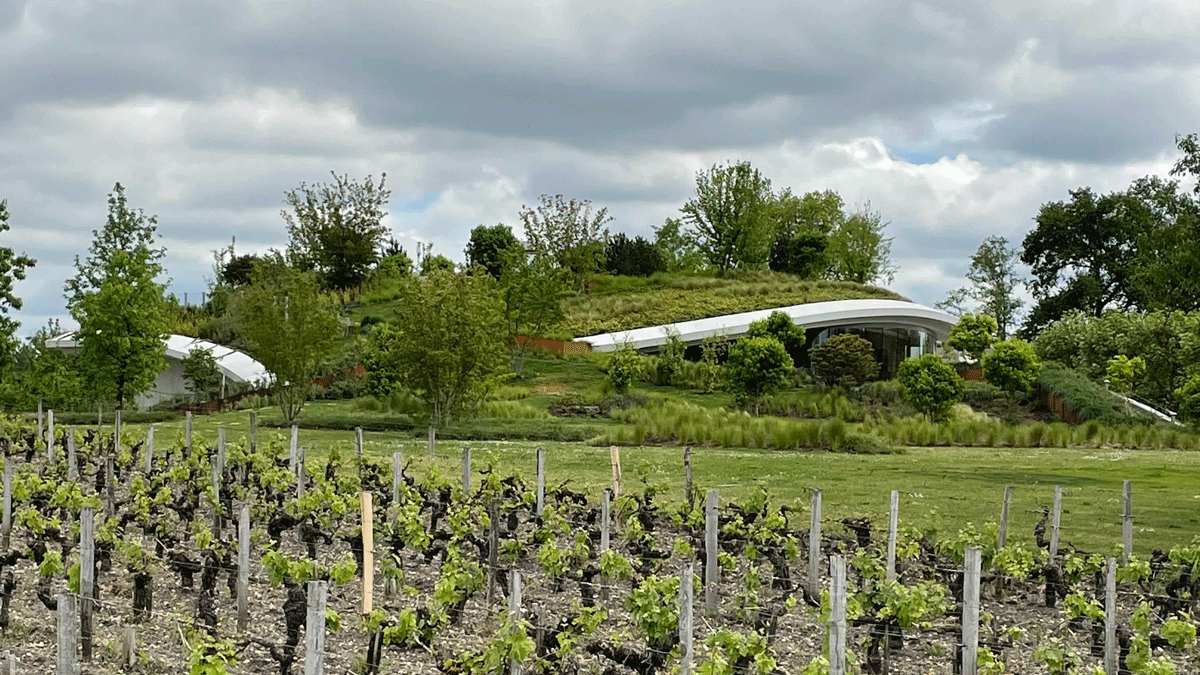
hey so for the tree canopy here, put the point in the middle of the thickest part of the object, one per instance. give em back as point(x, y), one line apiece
point(633, 257)
point(336, 229)
point(567, 233)
point(994, 284)
point(757, 366)
point(930, 385)
point(859, 252)
point(13, 267)
point(845, 360)
point(730, 216)
point(532, 290)
point(973, 334)
point(781, 327)
point(488, 245)
point(1012, 366)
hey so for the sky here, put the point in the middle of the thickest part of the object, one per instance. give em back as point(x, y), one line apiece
point(955, 119)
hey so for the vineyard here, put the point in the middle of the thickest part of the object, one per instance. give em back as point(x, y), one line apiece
point(210, 558)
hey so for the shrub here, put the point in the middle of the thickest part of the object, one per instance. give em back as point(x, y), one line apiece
point(976, 393)
point(1088, 399)
point(623, 369)
point(930, 385)
point(633, 257)
point(846, 360)
point(757, 366)
point(1188, 397)
point(781, 327)
point(669, 366)
point(1013, 366)
point(1124, 373)
point(973, 334)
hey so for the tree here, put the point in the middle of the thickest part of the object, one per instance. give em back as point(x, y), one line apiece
point(532, 291)
point(291, 327)
point(973, 335)
point(845, 360)
point(569, 234)
point(1012, 366)
point(802, 228)
point(488, 245)
point(203, 376)
point(859, 252)
point(677, 247)
point(1124, 373)
point(12, 270)
point(622, 369)
point(757, 366)
point(1165, 271)
point(730, 216)
point(633, 257)
point(781, 327)
point(994, 283)
point(1189, 164)
point(436, 263)
point(448, 345)
point(336, 229)
point(1187, 399)
point(121, 308)
point(802, 254)
point(930, 385)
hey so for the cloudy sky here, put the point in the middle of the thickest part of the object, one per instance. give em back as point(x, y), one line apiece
point(956, 119)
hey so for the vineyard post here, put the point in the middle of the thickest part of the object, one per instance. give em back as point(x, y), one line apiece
point(50, 436)
point(614, 454)
point(221, 451)
point(1127, 522)
point(893, 523)
point(605, 507)
point(541, 481)
point(110, 485)
point(1057, 521)
point(253, 432)
point(687, 478)
point(87, 576)
point(359, 451)
point(970, 611)
point(293, 448)
point(300, 475)
point(837, 614)
point(129, 646)
point(187, 422)
point(7, 523)
point(466, 471)
point(68, 655)
point(514, 612)
point(40, 437)
point(243, 579)
point(314, 629)
point(1003, 536)
point(10, 664)
point(216, 486)
point(685, 619)
point(814, 547)
point(493, 548)
point(149, 449)
point(1110, 619)
point(99, 416)
point(368, 543)
point(710, 552)
point(432, 441)
point(117, 432)
point(397, 476)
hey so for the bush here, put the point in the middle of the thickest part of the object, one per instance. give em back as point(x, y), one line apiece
point(633, 257)
point(930, 385)
point(1013, 366)
point(845, 360)
point(623, 369)
point(781, 327)
point(669, 365)
point(1090, 400)
point(976, 393)
point(973, 334)
point(757, 366)
point(1188, 397)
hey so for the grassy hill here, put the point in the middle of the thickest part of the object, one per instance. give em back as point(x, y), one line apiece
point(624, 303)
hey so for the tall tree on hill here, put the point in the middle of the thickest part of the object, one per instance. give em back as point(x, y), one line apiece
point(994, 285)
point(730, 216)
point(119, 304)
point(634, 257)
point(488, 246)
point(678, 247)
point(533, 291)
point(1165, 271)
point(859, 252)
point(12, 269)
point(802, 228)
point(568, 234)
point(337, 229)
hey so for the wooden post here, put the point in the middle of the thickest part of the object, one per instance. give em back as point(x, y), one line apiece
point(711, 572)
point(129, 646)
point(1057, 521)
point(253, 432)
point(301, 475)
point(68, 655)
point(1110, 618)
point(187, 421)
point(1127, 523)
point(358, 449)
point(493, 548)
point(72, 462)
point(814, 547)
point(687, 479)
point(9, 667)
point(99, 416)
point(6, 524)
point(40, 430)
point(970, 611)
point(314, 629)
point(216, 486)
point(243, 580)
point(514, 611)
point(432, 441)
point(293, 449)
point(541, 482)
point(87, 576)
point(50, 454)
point(221, 450)
point(1003, 539)
point(368, 537)
point(893, 524)
point(605, 506)
point(397, 477)
point(466, 472)
point(150, 449)
point(837, 614)
point(685, 620)
point(614, 454)
point(117, 432)
point(110, 481)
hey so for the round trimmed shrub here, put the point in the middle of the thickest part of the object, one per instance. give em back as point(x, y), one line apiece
point(1013, 366)
point(845, 360)
point(930, 386)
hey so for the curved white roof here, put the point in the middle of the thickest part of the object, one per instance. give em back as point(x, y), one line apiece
point(842, 313)
point(235, 365)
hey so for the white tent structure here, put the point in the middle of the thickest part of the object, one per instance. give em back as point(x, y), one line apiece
point(865, 314)
point(235, 367)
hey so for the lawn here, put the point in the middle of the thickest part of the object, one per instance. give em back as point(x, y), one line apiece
point(942, 488)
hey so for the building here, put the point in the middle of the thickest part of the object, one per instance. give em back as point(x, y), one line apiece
point(896, 328)
point(238, 371)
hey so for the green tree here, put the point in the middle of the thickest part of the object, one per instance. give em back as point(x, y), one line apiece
point(677, 247)
point(757, 366)
point(859, 252)
point(781, 327)
point(1189, 163)
point(845, 360)
point(671, 359)
point(488, 245)
point(730, 216)
point(973, 334)
point(533, 291)
point(622, 369)
point(994, 284)
point(449, 342)
point(634, 257)
point(1012, 366)
point(119, 304)
point(1124, 373)
point(336, 229)
point(436, 263)
point(203, 375)
point(569, 234)
point(291, 328)
point(802, 229)
point(1187, 399)
point(13, 267)
point(1165, 271)
point(930, 385)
